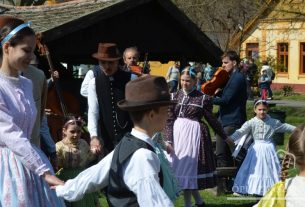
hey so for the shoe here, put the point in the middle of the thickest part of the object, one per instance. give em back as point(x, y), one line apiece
point(237, 194)
point(269, 98)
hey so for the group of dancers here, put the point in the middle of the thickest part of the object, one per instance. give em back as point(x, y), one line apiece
point(135, 171)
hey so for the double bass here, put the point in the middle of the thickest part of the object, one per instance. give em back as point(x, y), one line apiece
point(219, 80)
point(60, 103)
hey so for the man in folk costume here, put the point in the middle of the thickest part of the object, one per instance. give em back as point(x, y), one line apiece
point(104, 91)
point(131, 172)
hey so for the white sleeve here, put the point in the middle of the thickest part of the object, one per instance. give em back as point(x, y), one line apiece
point(85, 83)
point(244, 130)
point(141, 175)
point(283, 127)
point(93, 109)
point(90, 180)
point(14, 138)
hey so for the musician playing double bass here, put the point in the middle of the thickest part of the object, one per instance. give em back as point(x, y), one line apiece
point(104, 91)
point(232, 107)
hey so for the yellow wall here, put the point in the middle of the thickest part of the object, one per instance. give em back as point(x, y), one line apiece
point(268, 34)
point(158, 68)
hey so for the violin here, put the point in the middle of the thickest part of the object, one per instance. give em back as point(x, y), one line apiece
point(138, 70)
point(219, 80)
point(135, 69)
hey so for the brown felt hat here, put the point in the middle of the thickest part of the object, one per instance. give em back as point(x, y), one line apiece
point(107, 52)
point(144, 93)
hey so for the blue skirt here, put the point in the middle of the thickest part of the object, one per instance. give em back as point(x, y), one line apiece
point(21, 187)
point(259, 171)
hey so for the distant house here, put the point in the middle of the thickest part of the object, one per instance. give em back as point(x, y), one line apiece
point(278, 33)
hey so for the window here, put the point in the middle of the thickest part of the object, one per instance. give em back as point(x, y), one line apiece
point(302, 58)
point(282, 57)
point(252, 50)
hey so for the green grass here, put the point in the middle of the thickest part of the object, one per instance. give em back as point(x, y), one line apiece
point(210, 199)
point(294, 116)
point(278, 95)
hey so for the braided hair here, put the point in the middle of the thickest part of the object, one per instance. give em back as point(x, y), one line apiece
point(295, 151)
point(190, 71)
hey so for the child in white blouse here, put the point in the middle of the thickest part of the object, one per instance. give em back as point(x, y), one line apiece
point(132, 173)
point(261, 167)
point(290, 192)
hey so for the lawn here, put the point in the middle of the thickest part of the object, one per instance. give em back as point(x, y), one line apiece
point(294, 116)
point(278, 95)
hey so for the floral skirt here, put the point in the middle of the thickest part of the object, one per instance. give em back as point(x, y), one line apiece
point(20, 187)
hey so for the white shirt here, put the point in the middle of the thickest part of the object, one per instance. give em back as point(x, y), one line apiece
point(295, 191)
point(93, 106)
point(84, 87)
point(140, 174)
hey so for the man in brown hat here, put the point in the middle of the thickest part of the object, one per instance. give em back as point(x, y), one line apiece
point(104, 91)
point(131, 172)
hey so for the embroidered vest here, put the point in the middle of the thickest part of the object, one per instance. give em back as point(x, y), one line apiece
point(113, 121)
point(118, 194)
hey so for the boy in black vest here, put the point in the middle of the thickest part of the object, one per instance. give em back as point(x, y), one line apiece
point(131, 172)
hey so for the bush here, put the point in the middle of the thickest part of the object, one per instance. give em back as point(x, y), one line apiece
point(287, 90)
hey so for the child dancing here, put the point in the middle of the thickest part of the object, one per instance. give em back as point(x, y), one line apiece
point(261, 167)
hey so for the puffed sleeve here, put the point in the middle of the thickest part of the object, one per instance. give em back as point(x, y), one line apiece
point(13, 138)
point(84, 87)
point(86, 152)
point(59, 153)
point(245, 129)
point(283, 127)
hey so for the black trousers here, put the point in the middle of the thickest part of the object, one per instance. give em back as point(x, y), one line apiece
point(223, 151)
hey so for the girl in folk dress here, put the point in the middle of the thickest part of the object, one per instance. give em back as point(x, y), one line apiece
point(74, 155)
point(193, 160)
point(25, 171)
point(261, 167)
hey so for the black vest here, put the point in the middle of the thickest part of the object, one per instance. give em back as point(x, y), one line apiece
point(118, 194)
point(113, 121)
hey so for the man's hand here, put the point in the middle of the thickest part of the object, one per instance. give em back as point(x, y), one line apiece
point(95, 145)
point(169, 148)
point(231, 144)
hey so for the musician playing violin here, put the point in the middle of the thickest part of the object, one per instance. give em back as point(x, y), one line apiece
point(232, 107)
point(131, 57)
point(104, 91)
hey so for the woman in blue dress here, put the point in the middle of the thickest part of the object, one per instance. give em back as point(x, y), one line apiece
point(25, 174)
